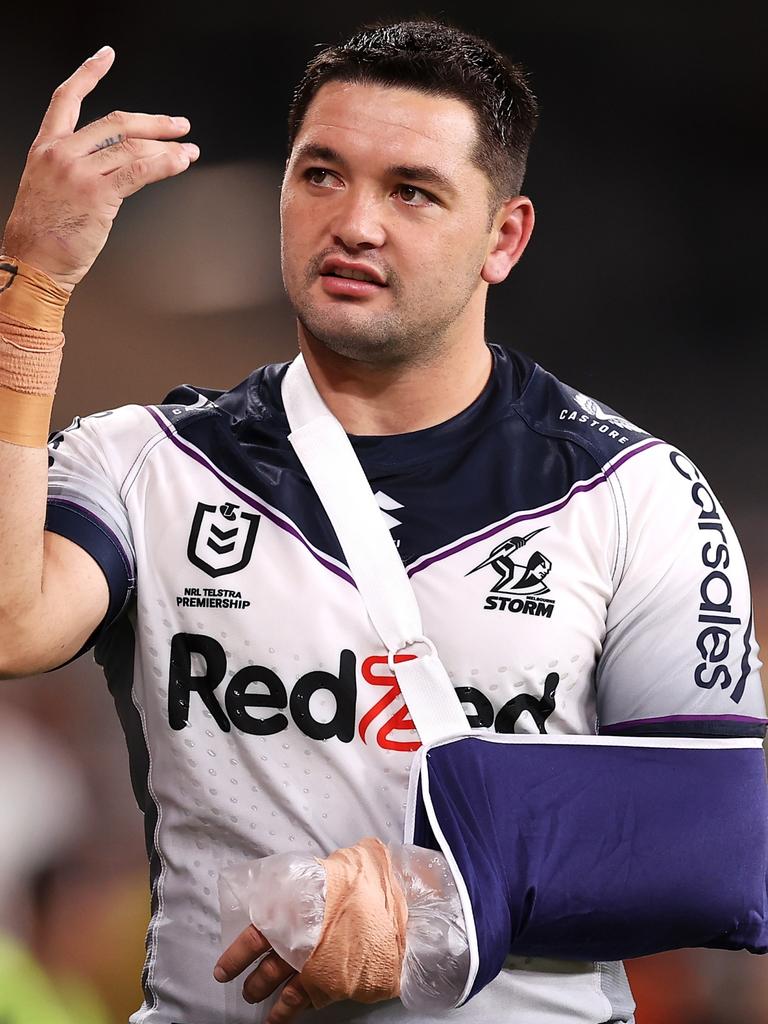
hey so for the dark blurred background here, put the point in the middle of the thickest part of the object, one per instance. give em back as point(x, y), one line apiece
point(642, 287)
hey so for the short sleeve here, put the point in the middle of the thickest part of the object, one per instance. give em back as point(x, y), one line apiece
point(679, 656)
point(85, 471)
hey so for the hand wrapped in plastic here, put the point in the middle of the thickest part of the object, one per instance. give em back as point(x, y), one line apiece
point(369, 922)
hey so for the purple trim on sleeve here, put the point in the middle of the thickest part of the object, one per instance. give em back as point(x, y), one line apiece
point(723, 726)
point(248, 498)
point(607, 729)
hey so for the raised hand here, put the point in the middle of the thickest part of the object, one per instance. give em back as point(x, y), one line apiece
point(74, 182)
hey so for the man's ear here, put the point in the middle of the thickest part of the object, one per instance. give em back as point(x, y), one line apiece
point(512, 228)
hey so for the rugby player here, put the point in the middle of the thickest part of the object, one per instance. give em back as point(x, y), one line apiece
point(575, 574)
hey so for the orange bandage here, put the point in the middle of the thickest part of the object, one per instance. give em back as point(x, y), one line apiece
point(359, 954)
point(29, 296)
point(29, 360)
point(31, 316)
point(25, 419)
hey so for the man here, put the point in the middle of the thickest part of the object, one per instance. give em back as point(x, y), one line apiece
point(572, 571)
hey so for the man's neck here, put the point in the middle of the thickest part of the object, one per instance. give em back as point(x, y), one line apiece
point(369, 399)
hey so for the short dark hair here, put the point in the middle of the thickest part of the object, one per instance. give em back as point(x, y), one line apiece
point(438, 58)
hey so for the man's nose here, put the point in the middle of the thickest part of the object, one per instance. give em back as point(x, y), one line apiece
point(358, 222)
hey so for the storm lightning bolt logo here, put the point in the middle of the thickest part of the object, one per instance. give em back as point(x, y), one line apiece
point(516, 577)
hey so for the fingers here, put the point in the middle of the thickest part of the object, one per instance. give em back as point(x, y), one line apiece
point(120, 125)
point(293, 1000)
point(111, 158)
point(269, 975)
point(249, 945)
point(129, 179)
point(271, 972)
point(64, 109)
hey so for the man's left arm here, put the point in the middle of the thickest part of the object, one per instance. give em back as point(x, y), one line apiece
point(652, 834)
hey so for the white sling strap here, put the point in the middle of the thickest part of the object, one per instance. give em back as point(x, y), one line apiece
point(330, 462)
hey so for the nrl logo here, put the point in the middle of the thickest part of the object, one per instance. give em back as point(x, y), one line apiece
point(518, 578)
point(221, 539)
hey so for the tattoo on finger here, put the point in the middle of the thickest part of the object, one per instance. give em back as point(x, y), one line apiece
point(113, 140)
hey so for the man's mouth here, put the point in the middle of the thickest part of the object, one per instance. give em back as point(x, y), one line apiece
point(334, 267)
point(350, 284)
point(355, 275)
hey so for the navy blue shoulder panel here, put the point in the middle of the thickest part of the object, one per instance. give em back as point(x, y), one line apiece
point(553, 408)
point(437, 485)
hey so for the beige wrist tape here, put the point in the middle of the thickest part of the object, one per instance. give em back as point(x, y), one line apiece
point(25, 419)
point(362, 943)
point(29, 360)
point(29, 296)
point(31, 316)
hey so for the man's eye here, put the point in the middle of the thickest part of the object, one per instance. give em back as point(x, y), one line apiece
point(413, 196)
point(319, 176)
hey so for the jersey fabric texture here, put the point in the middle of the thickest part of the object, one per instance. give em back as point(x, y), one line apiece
point(577, 576)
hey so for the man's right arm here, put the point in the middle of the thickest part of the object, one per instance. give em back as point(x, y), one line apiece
point(53, 593)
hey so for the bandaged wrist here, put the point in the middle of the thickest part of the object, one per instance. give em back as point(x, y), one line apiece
point(29, 371)
point(29, 360)
point(25, 419)
point(361, 948)
point(31, 316)
point(29, 296)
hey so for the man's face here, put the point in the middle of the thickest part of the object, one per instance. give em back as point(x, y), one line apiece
point(381, 179)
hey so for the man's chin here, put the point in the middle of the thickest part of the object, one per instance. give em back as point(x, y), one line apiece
point(354, 340)
point(345, 324)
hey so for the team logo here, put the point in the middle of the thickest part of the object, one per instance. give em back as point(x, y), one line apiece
point(221, 539)
point(520, 585)
point(517, 577)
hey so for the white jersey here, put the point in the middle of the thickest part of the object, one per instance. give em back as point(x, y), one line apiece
point(575, 574)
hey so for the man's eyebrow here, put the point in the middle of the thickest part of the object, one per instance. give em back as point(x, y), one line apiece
point(424, 173)
point(313, 151)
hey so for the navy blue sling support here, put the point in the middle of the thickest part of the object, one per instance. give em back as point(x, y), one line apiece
point(599, 850)
point(573, 847)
